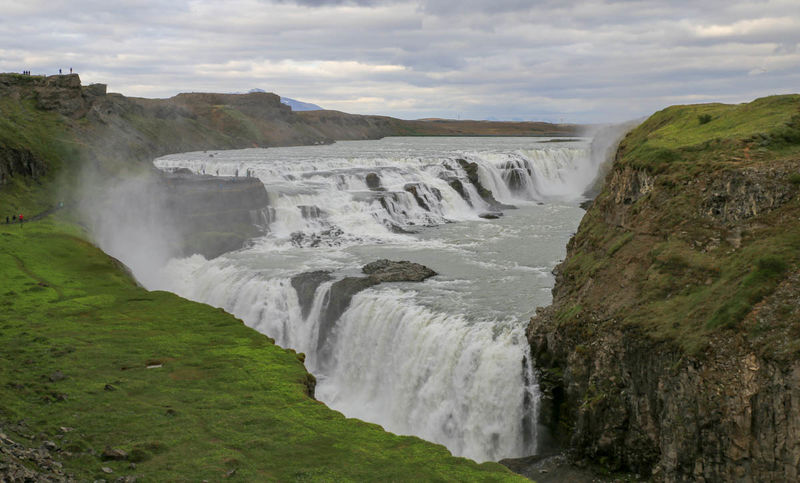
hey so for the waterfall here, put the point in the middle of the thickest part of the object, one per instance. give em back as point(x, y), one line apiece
point(399, 355)
point(376, 199)
point(434, 375)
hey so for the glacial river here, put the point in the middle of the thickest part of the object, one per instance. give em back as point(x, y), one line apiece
point(445, 359)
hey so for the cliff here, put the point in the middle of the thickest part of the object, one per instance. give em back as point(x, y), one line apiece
point(672, 347)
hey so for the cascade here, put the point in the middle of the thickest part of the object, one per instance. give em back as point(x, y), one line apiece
point(438, 359)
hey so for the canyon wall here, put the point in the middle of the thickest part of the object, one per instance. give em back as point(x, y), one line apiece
point(672, 347)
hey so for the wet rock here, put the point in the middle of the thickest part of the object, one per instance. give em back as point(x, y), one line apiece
point(330, 237)
point(517, 174)
point(554, 468)
point(310, 212)
point(491, 215)
point(458, 187)
point(109, 387)
point(415, 190)
point(342, 292)
point(306, 284)
point(373, 181)
point(472, 175)
point(395, 228)
point(397, 271)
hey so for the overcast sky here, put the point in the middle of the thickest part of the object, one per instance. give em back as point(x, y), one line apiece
point(592, 61)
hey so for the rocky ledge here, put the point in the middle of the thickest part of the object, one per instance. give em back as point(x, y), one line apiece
point(342, 291)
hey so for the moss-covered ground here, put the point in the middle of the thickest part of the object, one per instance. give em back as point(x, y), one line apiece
point(90, 360)
point(667, 263)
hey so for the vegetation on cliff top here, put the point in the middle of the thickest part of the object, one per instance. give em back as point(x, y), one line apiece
point(77, 336)
point(716, 134)
point(697, 228)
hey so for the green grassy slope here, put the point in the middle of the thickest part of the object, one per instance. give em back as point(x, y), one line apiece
point(712, 232)
point(224, 397)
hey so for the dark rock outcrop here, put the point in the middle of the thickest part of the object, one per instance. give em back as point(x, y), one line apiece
point(213, 215)
point(403, 271)
point(21, 463)
point(373, 181)
point(310, 212)
point(306, 285)
point(414, 189)
point(472, 175)
point(20, 162)
point(342, 291)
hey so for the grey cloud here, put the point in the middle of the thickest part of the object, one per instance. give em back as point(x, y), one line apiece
point(583, 61)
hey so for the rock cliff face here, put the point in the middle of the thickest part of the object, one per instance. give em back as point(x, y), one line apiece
point(215, 215)
point(671, 348)
point(20, 163)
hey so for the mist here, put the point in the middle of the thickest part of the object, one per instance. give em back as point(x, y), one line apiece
point(605, 140)
point(131, 220)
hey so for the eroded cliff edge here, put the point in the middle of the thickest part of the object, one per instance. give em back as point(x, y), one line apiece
point(672, 347)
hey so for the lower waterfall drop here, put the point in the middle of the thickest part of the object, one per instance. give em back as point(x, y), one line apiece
point(445, 359)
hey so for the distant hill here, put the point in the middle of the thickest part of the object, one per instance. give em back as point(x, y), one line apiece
point(293, 103)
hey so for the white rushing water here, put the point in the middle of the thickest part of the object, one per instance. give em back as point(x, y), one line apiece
point(445, 359)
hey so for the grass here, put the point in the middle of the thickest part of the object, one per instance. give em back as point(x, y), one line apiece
point(684, 279)
point(676, 135)
point(224, 397)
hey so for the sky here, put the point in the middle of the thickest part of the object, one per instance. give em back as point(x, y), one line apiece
point(559, 61)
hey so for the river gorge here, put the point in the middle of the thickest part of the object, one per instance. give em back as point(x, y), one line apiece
point(445, 359)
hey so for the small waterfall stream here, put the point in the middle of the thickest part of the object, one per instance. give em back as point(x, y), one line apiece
point(445, 359)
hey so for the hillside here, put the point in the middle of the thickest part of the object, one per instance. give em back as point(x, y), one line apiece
point(104, 380)
point(672, 347)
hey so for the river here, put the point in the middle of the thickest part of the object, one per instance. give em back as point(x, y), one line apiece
point(445, 359)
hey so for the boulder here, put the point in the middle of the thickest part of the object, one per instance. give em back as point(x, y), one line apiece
point(391, 271)
point(373, 181)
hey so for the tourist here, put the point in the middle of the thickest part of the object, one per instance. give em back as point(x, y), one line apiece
point(20, 220)
point(59, 71)
point(70, 70)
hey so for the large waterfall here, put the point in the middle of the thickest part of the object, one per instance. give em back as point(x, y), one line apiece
point(445, 359)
